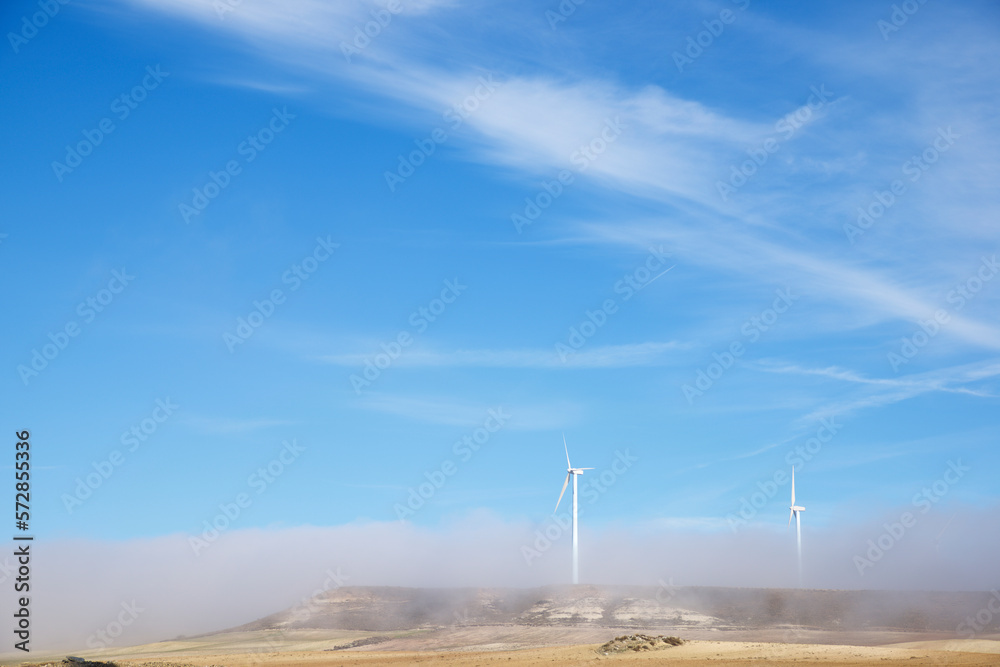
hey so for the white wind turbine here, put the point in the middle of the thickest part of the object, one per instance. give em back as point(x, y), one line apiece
point(796, 511)
point(572, 472)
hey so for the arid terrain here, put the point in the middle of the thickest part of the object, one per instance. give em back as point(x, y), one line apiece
point(568, 625)
point(690, 654)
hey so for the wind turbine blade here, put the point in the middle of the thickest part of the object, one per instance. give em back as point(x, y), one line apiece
point(793, 486)
point(791, 513)
point(566, 447)
point(562, 492)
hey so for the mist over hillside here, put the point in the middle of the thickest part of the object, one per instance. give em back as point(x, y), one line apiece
point(683, 610)
point(246, 575)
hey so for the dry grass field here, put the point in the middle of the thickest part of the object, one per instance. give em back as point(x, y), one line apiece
point(971, 653)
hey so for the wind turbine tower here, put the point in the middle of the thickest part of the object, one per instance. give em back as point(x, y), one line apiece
point(572, 472)
point(796, 511)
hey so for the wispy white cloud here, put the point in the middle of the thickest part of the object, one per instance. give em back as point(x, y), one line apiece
point(448, 411)
point(937, 380)
point(670, 150)
point(851, 286)
point(536, 123)
point(297, 23)
point(879, 392)
point(873, 393)
point(608, 356)
point(229, 425)
point(263, 85)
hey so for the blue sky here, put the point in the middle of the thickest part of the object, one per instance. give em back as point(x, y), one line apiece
point(733, 143)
